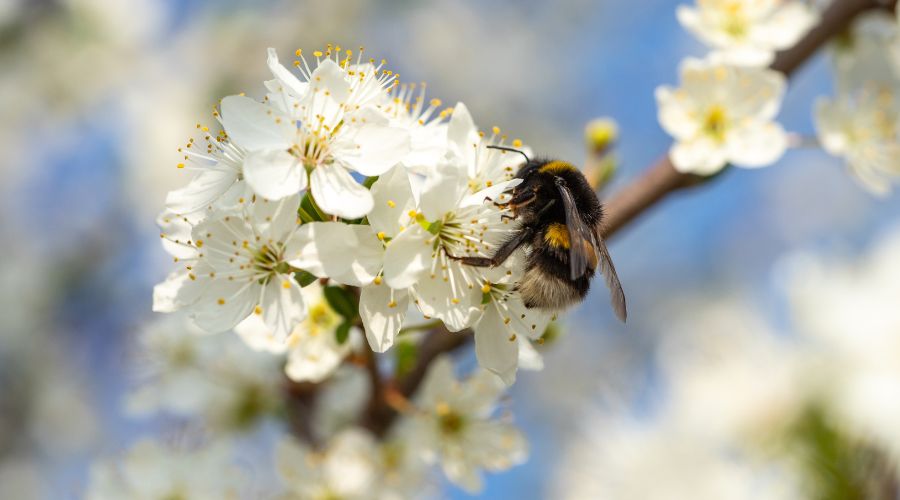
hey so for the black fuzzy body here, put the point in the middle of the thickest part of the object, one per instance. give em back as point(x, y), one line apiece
point(547, 283)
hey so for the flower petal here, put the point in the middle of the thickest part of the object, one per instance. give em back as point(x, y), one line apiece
point(338, 193)
point(348, 254)
point(282, 305)
point(374, 149)
point(253, 126)
point(258, 336)
point(699, 156)
point(274, 174)
point(496, 351)
point(407, 257)
point(293, 84)
point(382, 310)
point(462, 135)
point(393, 199)
point(224, 304)
point(445, 294)
point(756, 144)
point(202, 191)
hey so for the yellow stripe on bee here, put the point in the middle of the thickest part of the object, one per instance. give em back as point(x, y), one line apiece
point(557, 235)
point(556, 167)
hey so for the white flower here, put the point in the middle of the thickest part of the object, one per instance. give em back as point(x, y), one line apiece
point(506, 327)
point(326, 126)
point(151, 472)
point(218, 182)
point(862, 129)
point(346, 468)
point(214, 377)
point(623, 458)
point(867, 57)
point(722, 114)
point(427, 129)
point(455, 426)
point(448, 222)
point(235, 264)
point(748, 32)
point(848, 313)
point(172, 354)
point(354, 255)
point(485, 167)
point(312, 348)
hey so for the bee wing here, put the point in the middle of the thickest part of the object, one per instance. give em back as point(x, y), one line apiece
point(582, 240)
point(587, 249)
point(616, 294)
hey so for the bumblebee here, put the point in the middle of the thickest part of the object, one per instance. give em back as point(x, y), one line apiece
point(559, 219)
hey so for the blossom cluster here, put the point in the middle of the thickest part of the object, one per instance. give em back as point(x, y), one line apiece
point(341, 177)
point(724, 111)
point(323, 217)
point(861, 122)
point(218, 381)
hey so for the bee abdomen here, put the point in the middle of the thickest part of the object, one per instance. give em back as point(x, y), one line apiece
point(540, 288)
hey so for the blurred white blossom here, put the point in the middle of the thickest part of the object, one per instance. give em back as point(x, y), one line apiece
point(722, 114)
point(454, 426)
point(748, 32)
point(862, 129)
point(150, 471)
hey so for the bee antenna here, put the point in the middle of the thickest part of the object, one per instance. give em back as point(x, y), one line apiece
point(504, 148)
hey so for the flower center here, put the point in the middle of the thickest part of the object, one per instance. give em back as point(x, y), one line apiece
point(716, 122)
point(321, 318)
point(269, 259)
point(451, 423)
point(735, 22)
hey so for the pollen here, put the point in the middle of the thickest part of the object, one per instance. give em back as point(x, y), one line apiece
point(486, 288)
point(317, 53)
point(512, 338)
point(377, 280)
point(391, 203)
point(199, 243)
point(392, 304)
point(412, 213)
point(495, 129)
point(180, 165)
point(286, 285)
point(298, 52)
point(557, 235)
point(381, 235)
point(454, 300)
point(257, 310)
point(435, 102)
point(221, 302)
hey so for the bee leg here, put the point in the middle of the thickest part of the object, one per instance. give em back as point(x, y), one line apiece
point(502, 254)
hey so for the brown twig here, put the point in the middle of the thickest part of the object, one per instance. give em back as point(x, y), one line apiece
point(647, 190)
point(662, 178)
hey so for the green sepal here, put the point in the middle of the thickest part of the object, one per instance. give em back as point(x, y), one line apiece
point(304, 278)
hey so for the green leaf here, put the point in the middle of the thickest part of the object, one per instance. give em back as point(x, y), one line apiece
point(304, 278)
point(343, 332)
point(369, 181)
point(342, 301)
point(406, 354)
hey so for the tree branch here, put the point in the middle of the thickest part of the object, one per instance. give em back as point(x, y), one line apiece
point(662, 178)
point(646, 191)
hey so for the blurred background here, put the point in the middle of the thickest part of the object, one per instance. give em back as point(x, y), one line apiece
point(96, 95)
